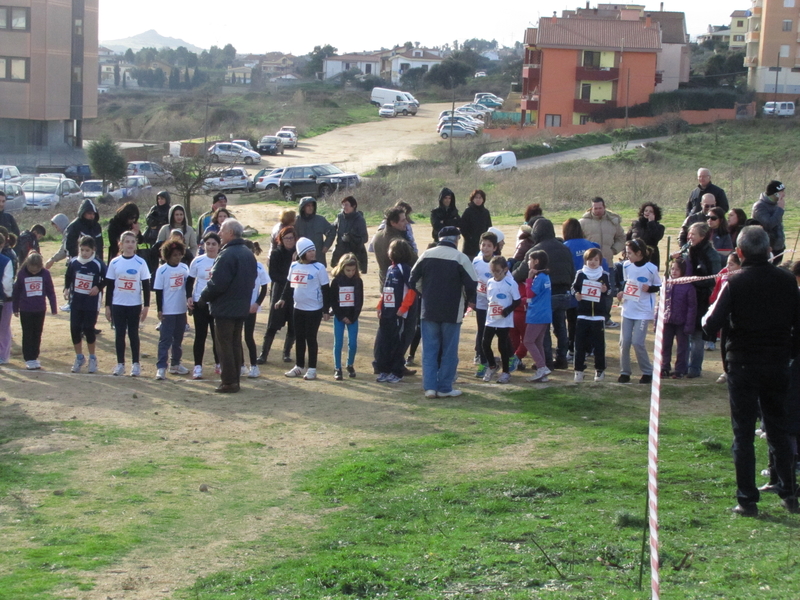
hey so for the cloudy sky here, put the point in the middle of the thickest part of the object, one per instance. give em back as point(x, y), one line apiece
point(353, 25)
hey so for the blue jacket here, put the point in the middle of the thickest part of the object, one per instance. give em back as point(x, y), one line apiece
point(540, 295)
point(94, 269)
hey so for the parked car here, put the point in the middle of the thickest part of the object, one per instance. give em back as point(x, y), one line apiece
point(291, 128)
point(93, 188)
point(133, 188)
point(380, 96)
point(15, 196)
point(157, 174)
point(315, 180)
point(498, 161)
point(405, 108)
point(270, 144)
point(232, 153)
point(78, 173)
point(463, 119)
point(410, 98)
point(489, 102)
point(10, 173)
point(244, 144)
point(442, 125)
point(779, 109)
point(480, 95)
point(457, 113)
point(455, 130)
point(47, 192)
point(268, 179)
point(480, 74)
point(477, 108)
point(387, 110)
point(288, 138)
point(232, 178)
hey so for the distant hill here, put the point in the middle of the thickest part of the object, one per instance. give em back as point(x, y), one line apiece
point(148, 39)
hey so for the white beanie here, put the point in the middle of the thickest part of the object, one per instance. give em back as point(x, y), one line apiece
point(500, 236)
point(303, 246)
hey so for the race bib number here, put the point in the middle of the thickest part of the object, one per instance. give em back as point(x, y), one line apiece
point(591, 291)
point(495, 311)
point(128, 286)
point(388, 297)
point(83, 283)
point(299, 279)
point(347, 296)
point(632, 291)
point(176, 281)
point(481, 288)
point(33, 286)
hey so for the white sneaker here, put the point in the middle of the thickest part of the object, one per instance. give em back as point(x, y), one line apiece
point(599, 375)
point(76, 366)
point(197, 373)
point(540, 376)
point(161, 373)
point(65, 308)
point(487, 376)
point(254, 372)
point(92, 364)
point(31, 365)
point(504, 378)
point(119, 369)
point(158, 327)
point(178, 369)
point(392, 378)
point(578, 376)
point(294, 372)
point(450, 394)
point(243, 371)
point(136, 370)
point(430, 393)
point(722, 378)
point(310, 374)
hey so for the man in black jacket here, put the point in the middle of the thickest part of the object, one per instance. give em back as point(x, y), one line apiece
point(228, 292)
point(760, 343)
point(7, 219)
point(704, 186)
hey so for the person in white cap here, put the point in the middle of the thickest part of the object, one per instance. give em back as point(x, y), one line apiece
point(310, 283)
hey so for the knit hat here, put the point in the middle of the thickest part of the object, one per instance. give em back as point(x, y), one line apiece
point(304, 245)
point(61, 221)
point(773, 187)
point(498, 233)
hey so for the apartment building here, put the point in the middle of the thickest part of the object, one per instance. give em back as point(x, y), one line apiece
point(773, 49)
point(738, 29)
point(48, 71)
point(574, 67)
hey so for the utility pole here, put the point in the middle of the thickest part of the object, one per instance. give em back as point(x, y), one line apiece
point(777, 72)
point(205, 127)
point(627, 96)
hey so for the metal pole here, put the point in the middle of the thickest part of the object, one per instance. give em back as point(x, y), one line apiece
point(777, 72)
point(627, 96)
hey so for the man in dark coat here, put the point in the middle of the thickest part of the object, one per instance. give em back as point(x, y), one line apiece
point(228, 292)
point(445, 214)
point(7, 220)
point(704, 186)
point(351, 234)
point(396, 226)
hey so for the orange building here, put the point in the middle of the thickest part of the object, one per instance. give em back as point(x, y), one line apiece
point(574, 67)
point(773, 49)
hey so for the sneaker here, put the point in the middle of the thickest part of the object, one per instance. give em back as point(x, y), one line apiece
point(722, 378)
point(310, 374)
point(197, 372)
point(119, 369)
point(611, 324)
point(254, 372)
point(450, 394)
point(382, 377)
point(392, 378)
point(65, 308)
point(521, 366)
point(665, 373)
point(677, 376)
point(488, 374)
point(540, 376)
point(38, 364)
point(31, 365)
point(337, 375)
point(561, 363)
point(624, 378)
point(158, 326)
point(692, 375)
point(187, 329)
point(513, 364)
point(136, 370)
point(178, 369)
point(504, 378)
point(430, 393)
point(294, 372)
point(92, 364)
point(710, 346)
point(570, 356)
point(578, 377)
point(647, 379)
point(76, 366)
point(410, 360)
point(480, 372)
point(287, 358)
point(476, 360)
point(749, 510)
point(243, 371)
point(599, 375)
point(161, 373)
point(351, 371)
point(217, 369)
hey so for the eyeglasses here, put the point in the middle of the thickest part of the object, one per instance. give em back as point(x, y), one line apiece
point(712, 218)
point(709, 205)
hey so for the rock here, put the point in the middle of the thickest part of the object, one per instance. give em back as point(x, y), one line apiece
point(203, 487)
point(58, 492)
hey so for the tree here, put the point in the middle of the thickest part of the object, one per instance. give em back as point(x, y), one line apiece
point(116, 75)
point(187, 79)
point(158, 78)
point(412, 78)
point(449, 73)
point(408, 45)
point(189, 174)
point(106, 160)
point(198, 78)
point(125, 80)
point(174, 78)
point(316, 58)
point(228, 54)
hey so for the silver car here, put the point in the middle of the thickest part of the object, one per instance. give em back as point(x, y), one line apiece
point(232, 153)
point(157, 174)
point(233, 178)
point(15, 197)
point(44, 192)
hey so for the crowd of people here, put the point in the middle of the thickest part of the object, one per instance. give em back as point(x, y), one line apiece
point(548, 284)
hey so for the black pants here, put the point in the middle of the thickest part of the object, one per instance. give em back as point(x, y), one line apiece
point(249, 338)
point(751, 387)
point(203, 321)
point(306, 326)
point(32, 324)
point(126, 321)
point(590, 334)
point(480, 321)
point(572, 318)
point(503, 343)
point(389, 347)
point(82, 322)
point(228, 333)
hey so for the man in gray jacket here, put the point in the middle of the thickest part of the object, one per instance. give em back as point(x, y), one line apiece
point(314, 227)
point(768, 211)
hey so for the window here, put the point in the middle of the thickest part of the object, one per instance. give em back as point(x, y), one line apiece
point(14, 18)
point(13, 69)
point(788, 3)
point(784, 50)
point(591, 59)
point(740, 23)
point(775, 69)
point(367, 68)
point(738, 38)
point(78, 28)
point(552, 120)
point(787, 25)
point(586, 91)
point(585, 119)
point(77, 74)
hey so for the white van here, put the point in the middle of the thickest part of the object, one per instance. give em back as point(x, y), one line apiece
point(498, 161)
point(381, 96)
point(411, 98)
point(779, 109)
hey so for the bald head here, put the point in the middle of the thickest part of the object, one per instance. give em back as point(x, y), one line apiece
point(707, 202)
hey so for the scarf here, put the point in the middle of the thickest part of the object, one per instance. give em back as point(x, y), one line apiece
point(593, 274)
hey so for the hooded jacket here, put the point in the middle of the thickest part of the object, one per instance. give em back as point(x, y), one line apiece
point(81, 227)
point(606, 231)
point(444, 216)
point(189, 234)
point(651, 233)
point(8, 221)
point(475, 221)
point(351, 236)
point(767, 212)
point(314, 227)
point(560, 266)
point(156, 218)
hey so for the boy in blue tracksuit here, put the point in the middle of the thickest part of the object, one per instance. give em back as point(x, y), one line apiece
point(83, 283)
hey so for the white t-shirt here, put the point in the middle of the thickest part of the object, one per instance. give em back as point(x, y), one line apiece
point(500, 295)
point(128, 274)
point(200, 269)
point(172, 281)
point(307, 281)
point(636, 304)
point(262, 278)
point(484, 273)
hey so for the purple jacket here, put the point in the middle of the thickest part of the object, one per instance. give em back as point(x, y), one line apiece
point(680, 305)
point(33, 297)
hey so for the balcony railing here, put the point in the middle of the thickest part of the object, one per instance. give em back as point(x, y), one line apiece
point(533, 71)
point(752, 36)
point(751, 61)
point(530, 102)
point(585, 106)
point(596, 74)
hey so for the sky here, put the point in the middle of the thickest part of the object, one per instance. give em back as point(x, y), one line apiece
point(355, 25)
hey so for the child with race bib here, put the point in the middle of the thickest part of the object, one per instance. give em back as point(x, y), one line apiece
point(256, 298)
point(32, 290)
point(502, 296)
point(83, 282)
point(483, 272)
point(638, 296)
point(199, 274)
point(539, 314)
point(170, 288)
point(590, 287)
point(347, 299)
point(127, 300)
